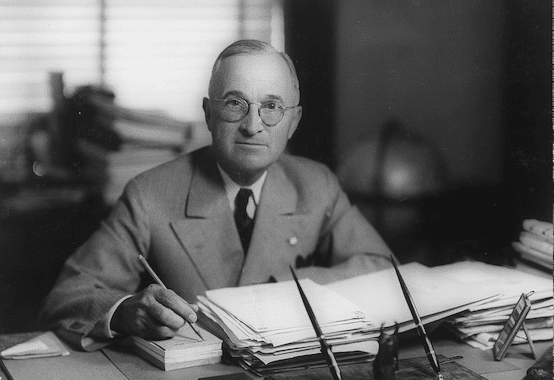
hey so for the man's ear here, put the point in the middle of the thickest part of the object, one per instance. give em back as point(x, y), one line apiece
point(206, 108)
point(295, 120)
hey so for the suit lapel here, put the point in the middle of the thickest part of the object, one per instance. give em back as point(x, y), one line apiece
point(207, 232)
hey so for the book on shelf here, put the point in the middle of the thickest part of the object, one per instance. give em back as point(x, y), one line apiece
point(113, 169)
point(151, 134)
point(113, 144)
point(184, 350)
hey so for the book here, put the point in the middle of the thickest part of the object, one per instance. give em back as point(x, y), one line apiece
point(530, 254)
point(113, 169)
point(544, 229)
point(536, 242)
point(183, 350)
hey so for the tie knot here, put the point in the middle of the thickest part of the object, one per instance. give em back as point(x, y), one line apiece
point(242, 198)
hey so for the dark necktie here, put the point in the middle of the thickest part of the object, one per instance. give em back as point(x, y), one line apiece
point(244, 223)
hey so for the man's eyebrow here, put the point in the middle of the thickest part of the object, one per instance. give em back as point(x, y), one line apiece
point(274, 97)
point(236, 93)
point(242, 95)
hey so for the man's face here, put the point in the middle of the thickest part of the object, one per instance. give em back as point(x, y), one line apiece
point(246, 148)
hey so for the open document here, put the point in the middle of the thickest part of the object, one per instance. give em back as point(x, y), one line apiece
point(435, 293)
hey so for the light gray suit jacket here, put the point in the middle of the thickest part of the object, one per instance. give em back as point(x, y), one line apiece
point(178, 216)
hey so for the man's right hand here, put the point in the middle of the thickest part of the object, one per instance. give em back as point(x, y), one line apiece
point(153, 313)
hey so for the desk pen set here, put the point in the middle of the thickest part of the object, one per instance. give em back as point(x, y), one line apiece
point(388, 345)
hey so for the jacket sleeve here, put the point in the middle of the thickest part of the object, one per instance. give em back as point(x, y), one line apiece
point(102, 271)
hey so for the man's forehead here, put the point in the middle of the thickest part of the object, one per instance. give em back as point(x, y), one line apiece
point(263, 69)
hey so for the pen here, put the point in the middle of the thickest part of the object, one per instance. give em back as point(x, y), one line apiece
point(427, 345)
point(159, 281)
point(325, 349)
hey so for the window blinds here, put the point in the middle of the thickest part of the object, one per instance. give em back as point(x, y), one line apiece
point(154, 54)
point(41, 36)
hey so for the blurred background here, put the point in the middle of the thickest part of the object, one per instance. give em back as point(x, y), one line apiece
point(435, 115)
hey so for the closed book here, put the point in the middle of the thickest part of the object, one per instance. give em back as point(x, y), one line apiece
point(530, 254)
point(185, 349)
point(537, 227)
point(536, 242)
point(151, 135)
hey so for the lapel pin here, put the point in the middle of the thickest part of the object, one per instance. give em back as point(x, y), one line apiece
point(293, 240)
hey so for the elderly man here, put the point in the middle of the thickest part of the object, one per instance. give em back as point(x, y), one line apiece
point(238, 212)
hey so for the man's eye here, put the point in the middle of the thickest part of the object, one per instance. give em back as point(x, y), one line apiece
point(271, 106)
point(234, 104)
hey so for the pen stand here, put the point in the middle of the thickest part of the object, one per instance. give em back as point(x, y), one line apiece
point(386, 361)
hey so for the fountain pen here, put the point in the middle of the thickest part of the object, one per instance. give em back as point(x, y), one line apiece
point(325, 348)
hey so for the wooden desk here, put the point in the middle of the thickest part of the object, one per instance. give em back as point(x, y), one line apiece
point(119, 363)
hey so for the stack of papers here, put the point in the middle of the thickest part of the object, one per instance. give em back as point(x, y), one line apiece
point(184, 350)
point(481, 324)
point(536, 243)
point(436, 295)
point(266, 328)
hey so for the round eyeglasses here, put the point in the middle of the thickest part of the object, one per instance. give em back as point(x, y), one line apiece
point(235, 109)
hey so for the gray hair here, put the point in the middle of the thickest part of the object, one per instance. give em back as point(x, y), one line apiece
point(253, 47)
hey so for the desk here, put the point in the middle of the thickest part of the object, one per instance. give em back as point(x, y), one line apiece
point(119, 363)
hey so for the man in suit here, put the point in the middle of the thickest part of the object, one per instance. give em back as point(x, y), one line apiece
point(238, 212)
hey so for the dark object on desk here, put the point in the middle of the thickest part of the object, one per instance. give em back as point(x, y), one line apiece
point(409, 369)
point(351, 372)
point(418, 368)
point(325, 348)
point(542, 369)
point(233, 376)
point(386, 361)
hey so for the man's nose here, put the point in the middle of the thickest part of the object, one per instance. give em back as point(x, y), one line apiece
point(252, 123)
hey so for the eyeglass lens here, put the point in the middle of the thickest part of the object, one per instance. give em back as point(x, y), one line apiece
point(233, 112)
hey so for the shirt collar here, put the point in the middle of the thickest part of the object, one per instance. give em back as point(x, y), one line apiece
point(232, 188)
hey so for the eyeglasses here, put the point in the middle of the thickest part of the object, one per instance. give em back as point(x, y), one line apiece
point(235, 109)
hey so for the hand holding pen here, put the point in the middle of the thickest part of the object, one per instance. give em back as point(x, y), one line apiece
point(155, 312)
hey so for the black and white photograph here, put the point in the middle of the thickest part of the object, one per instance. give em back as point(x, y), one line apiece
point(276, 189)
